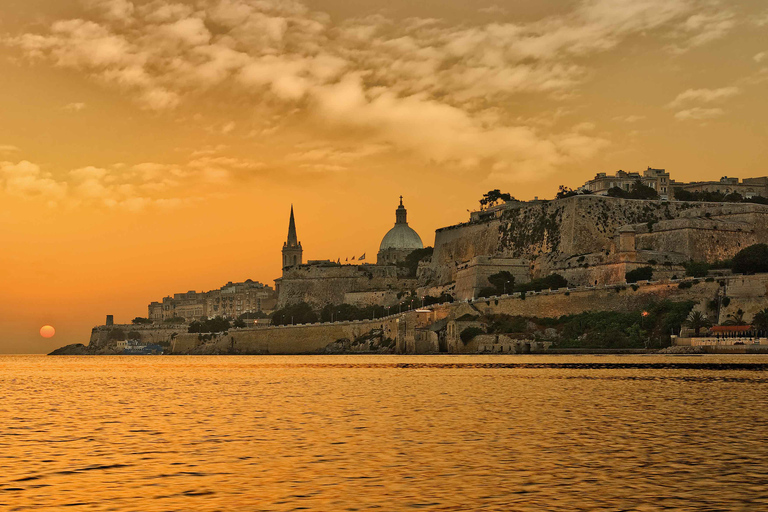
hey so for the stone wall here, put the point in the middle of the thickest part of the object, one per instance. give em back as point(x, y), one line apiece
point(553, 233)
point(148, 333)
point(321, 285)
point(358, 336)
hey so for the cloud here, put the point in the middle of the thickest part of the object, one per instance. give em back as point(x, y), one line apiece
point(760, 57)
point(421, 85)
point(699, 114)
point(704, 96)
point(26, 180)
point(74, 107)
point(7, 148)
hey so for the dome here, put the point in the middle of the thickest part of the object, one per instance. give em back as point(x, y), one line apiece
point(401, 237)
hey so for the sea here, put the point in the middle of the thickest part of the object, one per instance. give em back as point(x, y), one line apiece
point(385, 433)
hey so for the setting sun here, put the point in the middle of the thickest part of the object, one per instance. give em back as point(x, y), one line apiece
point(47, 331)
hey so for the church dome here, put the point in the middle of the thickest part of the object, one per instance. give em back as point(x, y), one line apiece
point(401, 237)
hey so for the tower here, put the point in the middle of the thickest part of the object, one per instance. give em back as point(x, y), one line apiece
point(292, 251)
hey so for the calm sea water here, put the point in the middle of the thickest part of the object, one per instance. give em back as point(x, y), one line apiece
point(342, 433)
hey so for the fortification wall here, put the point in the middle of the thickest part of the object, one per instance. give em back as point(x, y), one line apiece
point(359, 336)
point(330, 285)
point(550, 233)
point(147, 333)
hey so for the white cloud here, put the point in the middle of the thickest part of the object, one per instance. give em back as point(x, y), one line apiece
point(420, 85)
point(7, 148)
point(26, 180)
point(698, 114)
point(74, 107)
point(760, 57)
point(704, 96)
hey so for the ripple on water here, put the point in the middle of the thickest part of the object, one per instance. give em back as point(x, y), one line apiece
point(393, 433)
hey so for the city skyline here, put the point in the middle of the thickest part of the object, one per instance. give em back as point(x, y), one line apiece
point(153, 147)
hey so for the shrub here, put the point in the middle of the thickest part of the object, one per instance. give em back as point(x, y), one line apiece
point(217, 324)
point(551, 282)
point(469, 334)
point(175, 320)
point(239, 323)
point(639, 274)
point(140, 320)
point(696, 269)
point(685, 285)
point(301, 313)
point(751, 259)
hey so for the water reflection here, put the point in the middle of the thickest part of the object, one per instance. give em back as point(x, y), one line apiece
point(389, 433)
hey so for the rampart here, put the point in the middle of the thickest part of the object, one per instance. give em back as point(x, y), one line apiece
point(551, 234)
point(321, 285)
point(416, 331)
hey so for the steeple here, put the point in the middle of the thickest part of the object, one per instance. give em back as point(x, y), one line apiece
point(401, 214)
point(293, 240)
point(292, 250)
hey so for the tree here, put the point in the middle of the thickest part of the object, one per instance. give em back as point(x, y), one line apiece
point(301, 313)
point(736, 318)
point(637, 191)
point(218, 324)
point(411, 261)
point(502, 282)
point(239, 323)
point(564, 192)
point(696, 321)
point(760, 320)
point(639, 274)
point(493, 197)
point(140, 320)
point(696, 269)
point(751, 259)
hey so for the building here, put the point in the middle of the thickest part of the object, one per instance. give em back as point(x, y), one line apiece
point(400, 241)
point(292, 250)
point(657, 179)
point(748, 188)
point(230, 301)
point(322, 282)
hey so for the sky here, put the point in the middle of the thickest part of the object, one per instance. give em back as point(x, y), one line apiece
point(154, 147)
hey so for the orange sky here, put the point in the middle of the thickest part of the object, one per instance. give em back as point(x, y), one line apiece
point(153, 147)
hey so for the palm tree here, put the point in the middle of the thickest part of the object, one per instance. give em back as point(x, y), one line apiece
point(736, 318)
point(696, 321)
point(760, 320)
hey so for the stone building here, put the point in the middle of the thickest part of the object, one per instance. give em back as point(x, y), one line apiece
point(749, 187)
point(229, 301)
point(657, 179)
point(400, 241)
point(322, 282)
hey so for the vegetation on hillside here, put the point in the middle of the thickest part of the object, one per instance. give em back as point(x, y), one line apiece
point(217, 324)
point(637, 191)
point(639, 274)
point(716, 197)
point(649, 327)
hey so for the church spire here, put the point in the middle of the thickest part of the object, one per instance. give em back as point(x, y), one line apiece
point(292, 251)
point(293, 240)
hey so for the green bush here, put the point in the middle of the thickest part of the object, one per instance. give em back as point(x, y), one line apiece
point(301, 313)
point(751, 259)
point(639, 274)
point(696, 269)
point(469, 334)
point(140, 320)
point(217, 324)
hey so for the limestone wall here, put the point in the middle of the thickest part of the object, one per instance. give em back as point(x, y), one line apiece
point(149, 334)
point(298, 339)
point(319, 285)
point(550, 234)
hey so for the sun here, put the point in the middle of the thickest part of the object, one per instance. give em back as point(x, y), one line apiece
point(47, 331)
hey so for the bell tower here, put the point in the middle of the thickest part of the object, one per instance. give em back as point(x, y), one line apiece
point(292, 251)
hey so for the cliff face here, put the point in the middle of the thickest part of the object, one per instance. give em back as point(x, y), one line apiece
point(549, 234)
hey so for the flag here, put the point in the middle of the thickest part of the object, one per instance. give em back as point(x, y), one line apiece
point(338, 261)
point(362, 257)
